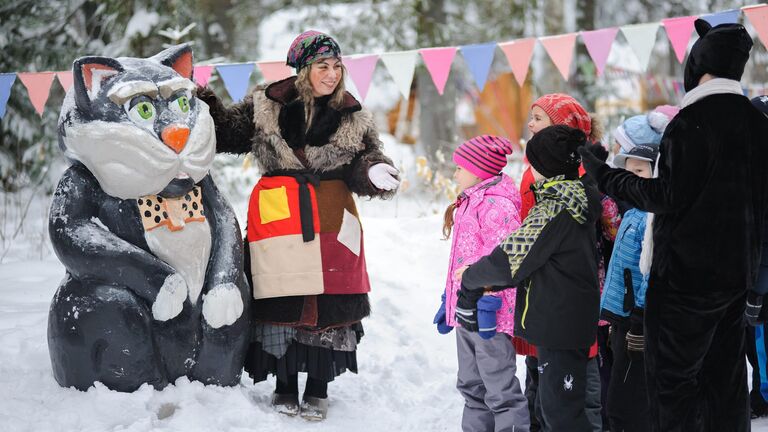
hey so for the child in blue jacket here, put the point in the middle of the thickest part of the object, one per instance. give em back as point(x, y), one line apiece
point(622, 304)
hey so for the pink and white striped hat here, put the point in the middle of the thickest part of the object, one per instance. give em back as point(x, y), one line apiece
point(484, 156)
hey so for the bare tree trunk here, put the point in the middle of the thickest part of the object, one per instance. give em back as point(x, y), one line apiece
point(437, 118)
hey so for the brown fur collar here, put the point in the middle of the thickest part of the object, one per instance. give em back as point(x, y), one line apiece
point(273, 152)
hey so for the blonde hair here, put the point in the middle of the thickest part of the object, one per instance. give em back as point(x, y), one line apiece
point(304, 87)
point(597, 130)
point(448, 220)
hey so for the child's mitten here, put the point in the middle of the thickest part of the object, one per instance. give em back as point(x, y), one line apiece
point(486, 315)
point(442, 326)
point(466, 308)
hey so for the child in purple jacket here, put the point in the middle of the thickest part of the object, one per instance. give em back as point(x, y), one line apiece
point(486, 211)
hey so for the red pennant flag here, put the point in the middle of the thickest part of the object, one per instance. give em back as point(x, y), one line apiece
point(274, 70)
point(438, 62)
point(65, 79)
point(679, 33)
point(202, 74)
point(560, 50)
point(758, 16)
point(38, 86)
point(519, 53)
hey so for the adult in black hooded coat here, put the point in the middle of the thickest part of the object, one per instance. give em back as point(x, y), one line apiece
point(710, 201)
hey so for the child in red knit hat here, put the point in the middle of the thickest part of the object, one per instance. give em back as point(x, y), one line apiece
point(548, 110)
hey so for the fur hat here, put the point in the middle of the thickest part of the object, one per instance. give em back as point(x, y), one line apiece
point(552, 151)
point(722, 51)
point(565, 110)
point(484, 156)
point(309, 47)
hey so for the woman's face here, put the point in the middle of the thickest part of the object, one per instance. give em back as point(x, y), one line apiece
point(464, 179)
point(324, 75)
point(539, 120)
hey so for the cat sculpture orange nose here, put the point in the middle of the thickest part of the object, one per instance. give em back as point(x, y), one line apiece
point(175, 137)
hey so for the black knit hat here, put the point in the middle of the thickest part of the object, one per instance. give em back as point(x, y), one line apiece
point(722, 51)
point(552, 151)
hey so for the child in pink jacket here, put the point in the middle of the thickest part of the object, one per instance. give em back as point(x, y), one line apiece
point(486, 211)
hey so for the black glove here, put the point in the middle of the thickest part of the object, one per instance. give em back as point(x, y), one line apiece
point(635, 337)
point(466, 309)
point(594, 166)
point(599, 151)
point(754, 305)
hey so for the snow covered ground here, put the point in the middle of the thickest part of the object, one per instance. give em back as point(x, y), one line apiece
point(407, 370)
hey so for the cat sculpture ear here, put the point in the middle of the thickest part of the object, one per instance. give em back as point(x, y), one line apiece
point(88, 74)
point(178, 58)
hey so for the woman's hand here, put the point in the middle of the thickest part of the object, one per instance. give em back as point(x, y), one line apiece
point(383, 176)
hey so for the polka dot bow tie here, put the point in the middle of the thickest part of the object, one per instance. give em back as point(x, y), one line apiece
point(172, 213)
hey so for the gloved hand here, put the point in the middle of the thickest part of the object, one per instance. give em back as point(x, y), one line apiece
point(466, 309)
point(383, 176)
point(594, 166)
point(598, 150)
point(486, 315)
point(442, 327)
point(754, 305)
point(635, 337)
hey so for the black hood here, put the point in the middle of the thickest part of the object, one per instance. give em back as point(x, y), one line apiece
point(722, 51)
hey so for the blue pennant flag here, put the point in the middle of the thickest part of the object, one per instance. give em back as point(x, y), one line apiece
point(479, 58)
point(6, 81)
point(236, 77)
point(726, 17)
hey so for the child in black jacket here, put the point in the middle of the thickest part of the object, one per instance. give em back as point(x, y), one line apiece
point(553, 262)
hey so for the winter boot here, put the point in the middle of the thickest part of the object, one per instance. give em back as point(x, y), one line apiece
point(287, 404)
point(314, 408)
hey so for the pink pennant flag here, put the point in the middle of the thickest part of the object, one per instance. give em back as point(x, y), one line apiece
point(361, 71)
point(519, 53)
point(758, 16)
point(274, 70)
point(598, 43)
point(560, 50)
point(65, 79)
point(202, 74)
point(438, 62)
point(679, 31)
point(38, 86)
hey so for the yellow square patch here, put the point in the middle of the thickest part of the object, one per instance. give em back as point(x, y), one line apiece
point(273, 205)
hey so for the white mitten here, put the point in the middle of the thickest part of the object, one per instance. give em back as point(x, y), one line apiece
point(170, 299)
point(223, 305)
point(383, 176)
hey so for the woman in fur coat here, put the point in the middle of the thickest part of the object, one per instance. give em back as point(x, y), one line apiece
point(315, 146)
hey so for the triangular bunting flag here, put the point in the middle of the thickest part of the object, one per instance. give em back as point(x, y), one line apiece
point(6, 81)
point(519, 53)
point(641, 38)
point(758, 16)
point(400, 66)
point(438, 62)
point(236, 77)
point(479, 58)
point(679, 33)
point(598, 43)
point(274, 70)
point(361, 72)
point(38, 86)
point(560, 50)
point(202, 74)
point(65, 79)
point(725, 17)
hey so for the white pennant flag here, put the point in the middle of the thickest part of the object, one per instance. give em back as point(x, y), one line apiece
point(641, 38)
point(401, 66)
